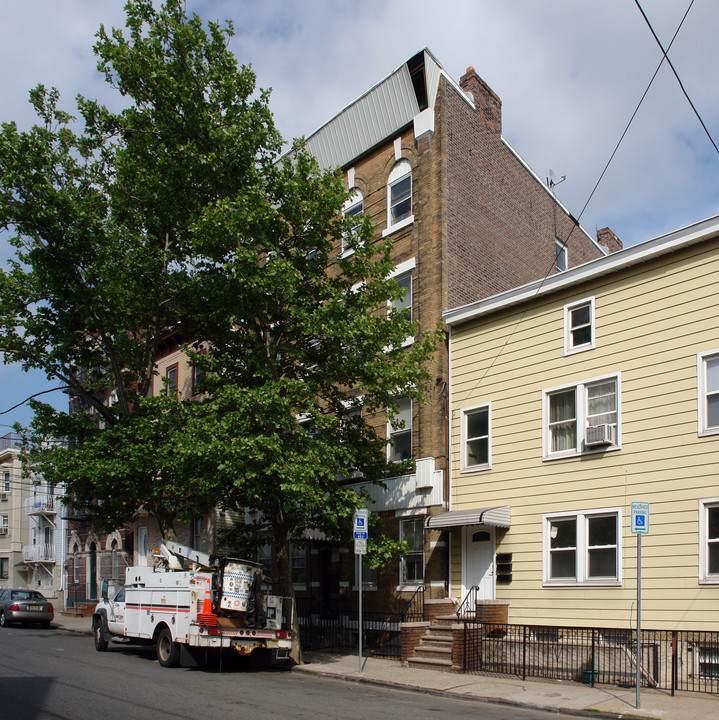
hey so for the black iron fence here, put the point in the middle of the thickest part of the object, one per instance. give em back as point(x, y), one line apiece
point(80, 594)
point(670, 660)
point(334, 626)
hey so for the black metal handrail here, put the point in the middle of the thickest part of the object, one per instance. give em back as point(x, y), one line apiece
point(468, 606)
point(415, 607)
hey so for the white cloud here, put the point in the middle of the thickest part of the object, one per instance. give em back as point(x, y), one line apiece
point(569, 74)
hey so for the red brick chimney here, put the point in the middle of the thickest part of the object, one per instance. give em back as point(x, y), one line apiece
point(488, 105)
point(608, 239)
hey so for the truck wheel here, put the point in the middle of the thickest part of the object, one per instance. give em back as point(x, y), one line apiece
point(100, 642)
point(168, 652)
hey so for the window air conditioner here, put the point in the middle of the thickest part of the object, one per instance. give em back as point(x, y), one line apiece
point(598, 435)
point(3, 531)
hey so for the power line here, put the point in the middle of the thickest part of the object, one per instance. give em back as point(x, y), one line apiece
point(591, 195)
point(676, 74)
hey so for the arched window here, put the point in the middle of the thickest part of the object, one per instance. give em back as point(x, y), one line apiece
point(399, 193)
point(353, 208)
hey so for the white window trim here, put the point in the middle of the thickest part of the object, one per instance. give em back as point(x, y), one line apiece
point(398, 226)
point(581, 548)
point(407, 427)
point(464, 467)
point(395, 176)
point(355, 198)
point(568, 349)
point(580, 449)
point(558, 244)
point(704, 577)
point(702, 427)
point(405, 268)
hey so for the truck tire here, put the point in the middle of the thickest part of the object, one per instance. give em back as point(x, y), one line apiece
point(98, 632)
point(168, 652)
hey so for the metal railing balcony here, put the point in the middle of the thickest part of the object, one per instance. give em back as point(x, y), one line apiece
point(38, 553)
point(40, 504)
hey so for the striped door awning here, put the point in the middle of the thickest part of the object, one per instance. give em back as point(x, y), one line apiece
point(496, 516)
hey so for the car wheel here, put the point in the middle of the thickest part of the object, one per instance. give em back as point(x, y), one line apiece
point(168, 652)
point(100, 642)
point(3, 619)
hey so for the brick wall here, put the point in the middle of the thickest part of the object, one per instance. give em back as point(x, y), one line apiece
point(502, 221)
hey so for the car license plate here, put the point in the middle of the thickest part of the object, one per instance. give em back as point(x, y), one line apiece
point(34, 607)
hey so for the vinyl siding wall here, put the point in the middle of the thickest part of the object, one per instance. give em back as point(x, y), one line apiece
point(650, 323)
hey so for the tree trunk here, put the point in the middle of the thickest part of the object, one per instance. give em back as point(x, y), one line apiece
point(287, 590)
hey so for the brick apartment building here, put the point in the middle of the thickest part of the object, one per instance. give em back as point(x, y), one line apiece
point(425, 158)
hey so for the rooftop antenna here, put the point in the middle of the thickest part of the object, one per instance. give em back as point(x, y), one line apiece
point(552, 180)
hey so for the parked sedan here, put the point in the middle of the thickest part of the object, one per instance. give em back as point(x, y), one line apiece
point(24, 606)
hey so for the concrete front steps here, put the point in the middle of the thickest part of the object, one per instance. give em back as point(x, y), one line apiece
point(434, 651)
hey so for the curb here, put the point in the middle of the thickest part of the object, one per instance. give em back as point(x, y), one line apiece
point(472, 698)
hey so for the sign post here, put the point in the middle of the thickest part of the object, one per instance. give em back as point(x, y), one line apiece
point(640, 526)
point(360, 522)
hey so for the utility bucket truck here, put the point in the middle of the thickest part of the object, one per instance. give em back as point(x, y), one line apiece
point(191, 602)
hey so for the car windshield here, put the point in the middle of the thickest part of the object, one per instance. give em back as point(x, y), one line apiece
point(26, 595)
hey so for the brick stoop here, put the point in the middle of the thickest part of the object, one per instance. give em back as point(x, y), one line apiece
point(79, 610)
point(434, 650)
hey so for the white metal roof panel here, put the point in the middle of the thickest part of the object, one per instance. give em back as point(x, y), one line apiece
point(377, 115)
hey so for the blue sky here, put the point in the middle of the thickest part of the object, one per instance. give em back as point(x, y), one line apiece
point(569, 73)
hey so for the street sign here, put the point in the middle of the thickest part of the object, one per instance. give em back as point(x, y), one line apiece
point(360, 547)
point(361, 524)
point(640, 518)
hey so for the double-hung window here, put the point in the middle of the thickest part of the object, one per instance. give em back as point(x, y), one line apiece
point(403, 305)
point(353, 209)
point(579, 326)
point(412, 566)
point(582, 417)
point(709, 541)
point(475, 438)
point(399, 197)
point(298, 567)
point(6, 482)
point(400, 432)
point(171, 380)
point(561, 256)
point(582, 548)
point(708, 401)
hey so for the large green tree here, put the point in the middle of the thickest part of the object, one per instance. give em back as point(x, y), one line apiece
point(102, 209)
point(178, 215)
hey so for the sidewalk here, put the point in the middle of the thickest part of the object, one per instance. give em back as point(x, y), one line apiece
point(566, 697)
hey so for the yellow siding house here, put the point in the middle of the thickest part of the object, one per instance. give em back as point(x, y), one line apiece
point(571, 398)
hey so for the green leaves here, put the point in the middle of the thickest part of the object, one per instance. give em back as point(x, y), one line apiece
point(175, 220)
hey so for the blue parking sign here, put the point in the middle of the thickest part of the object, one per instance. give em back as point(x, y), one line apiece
point(640, 518)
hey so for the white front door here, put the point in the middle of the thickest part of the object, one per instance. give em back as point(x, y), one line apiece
point(478, 561)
